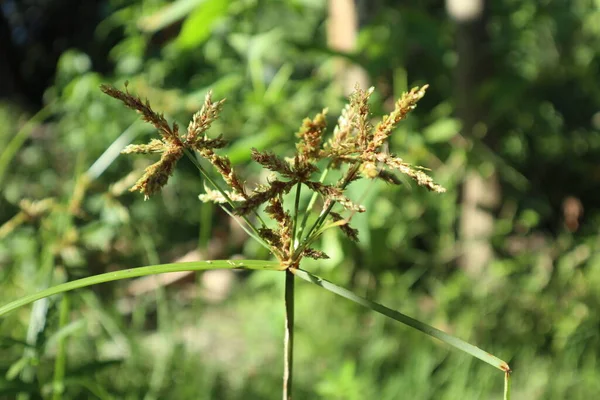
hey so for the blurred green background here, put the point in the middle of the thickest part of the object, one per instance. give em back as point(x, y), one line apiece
point(507, 259)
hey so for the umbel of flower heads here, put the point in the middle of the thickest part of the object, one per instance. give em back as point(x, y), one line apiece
point(355, 148)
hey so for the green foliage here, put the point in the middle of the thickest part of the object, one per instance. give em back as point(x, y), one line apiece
point(535, 304)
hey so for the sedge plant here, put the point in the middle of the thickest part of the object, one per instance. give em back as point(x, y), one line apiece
point(355, 150)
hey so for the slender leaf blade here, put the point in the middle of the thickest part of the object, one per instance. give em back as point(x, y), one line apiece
point(413, 323)
point(141, 271)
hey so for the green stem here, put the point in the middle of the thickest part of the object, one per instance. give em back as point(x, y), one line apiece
point(308, 238)
point(249, 232)
point(311, 203)
point(58, 383)
point(506, 385)
point(296, 207)
point(413, 323)
point(141, 271)
point(206, 176)
point(223, 192)
point(288, 343)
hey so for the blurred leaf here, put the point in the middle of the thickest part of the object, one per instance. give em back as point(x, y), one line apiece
point(13, 387)
point(70, 329)
point(442, 130)
point(167, 15)
point(93, 367)
point(198, 26)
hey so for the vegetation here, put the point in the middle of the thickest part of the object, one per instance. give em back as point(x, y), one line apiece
point(514, 112)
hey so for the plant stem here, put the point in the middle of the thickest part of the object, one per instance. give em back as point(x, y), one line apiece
point(58, 384)
point(223, 192)
point(506, 385)
point(311, 203)
point(296, 207)
point(288, 343)
point(308, 238)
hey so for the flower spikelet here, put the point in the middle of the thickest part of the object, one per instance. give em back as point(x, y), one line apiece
point(359, 101)
point(270, 236)
point(155, 146)
point(314, 254)
point(157, 174)
point(158, 120)
point(345, 227)
point(263, 194)
point(402, 107)
point(217, 197)
point(284, 220)
point(201, 122)
point(333, 194)
point(344, 133)
point(171, 146)
point(223, 166)
point(311, 136)
point(417, 175)
point(272, 162)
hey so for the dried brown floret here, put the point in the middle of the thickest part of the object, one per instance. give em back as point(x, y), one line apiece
point(345, 227)
point(263, 194)
point(333, 194)
point(388, 177)
point(314, 254)
point(223, 166)
point(270, 236)
point(158, 120)
point(272, 162)
point(284, 221)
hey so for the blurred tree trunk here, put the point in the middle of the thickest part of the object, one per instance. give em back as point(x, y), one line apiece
point(342, 31)
point(480, 194)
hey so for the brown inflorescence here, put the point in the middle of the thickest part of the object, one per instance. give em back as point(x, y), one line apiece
point(355, 143)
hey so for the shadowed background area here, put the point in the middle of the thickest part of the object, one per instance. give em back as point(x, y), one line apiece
point(508, 259)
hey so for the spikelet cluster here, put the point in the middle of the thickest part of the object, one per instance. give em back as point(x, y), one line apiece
point(171, 144)
point(356, 147)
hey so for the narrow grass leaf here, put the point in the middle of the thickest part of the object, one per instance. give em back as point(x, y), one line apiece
point(11, 149)
point(413, 323)
point(141, 271)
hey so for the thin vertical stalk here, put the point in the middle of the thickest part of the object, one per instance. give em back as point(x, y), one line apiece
point(506, 385)
point(205, 174)
point(60, 364)
point(288, 343)
point(38, 317)
point(295, 227)
point(311, 203)
point(325, 212)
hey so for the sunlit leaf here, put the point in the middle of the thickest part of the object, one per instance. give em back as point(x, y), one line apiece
point(167, 15)
point(199, 25)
